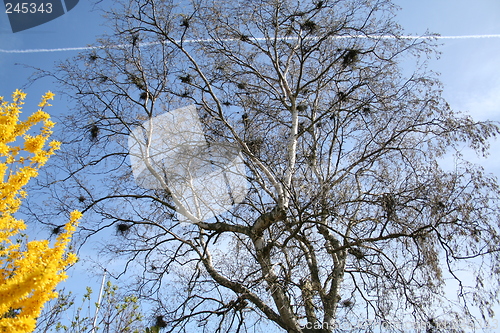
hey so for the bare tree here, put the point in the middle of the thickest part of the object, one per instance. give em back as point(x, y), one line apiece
point(347, 220)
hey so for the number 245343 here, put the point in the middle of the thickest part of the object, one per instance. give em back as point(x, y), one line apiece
point(25, 7)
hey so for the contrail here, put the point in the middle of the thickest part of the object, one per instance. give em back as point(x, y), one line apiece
point(188, 41)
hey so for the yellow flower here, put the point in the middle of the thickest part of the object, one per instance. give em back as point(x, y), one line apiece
point(45, 98)
point(33, 144)
point(55, 145)
point(18, 95)
point(43, 103)
point(28, 273)
point(49, 95)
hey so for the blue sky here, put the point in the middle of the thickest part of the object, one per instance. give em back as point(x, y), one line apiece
point(470, 67)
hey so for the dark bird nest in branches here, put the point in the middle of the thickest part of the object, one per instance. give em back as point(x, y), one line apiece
point(350, 57)
point(347, 303)
point(145, 95)
point(57, 230)
point(93, 57)
point(244, 38)
point(185, 78)
point(185, 23)
point(94, 132)
point(309, 26)
point(137, 81)
point(356, 252)
point(123, 228)
point(160, 322)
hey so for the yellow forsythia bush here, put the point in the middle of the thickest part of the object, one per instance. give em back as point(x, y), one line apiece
point(29, 270)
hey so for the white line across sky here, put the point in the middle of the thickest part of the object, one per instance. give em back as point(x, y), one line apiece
point(86, 48)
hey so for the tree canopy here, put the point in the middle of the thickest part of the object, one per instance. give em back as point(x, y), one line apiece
point(347, 215)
